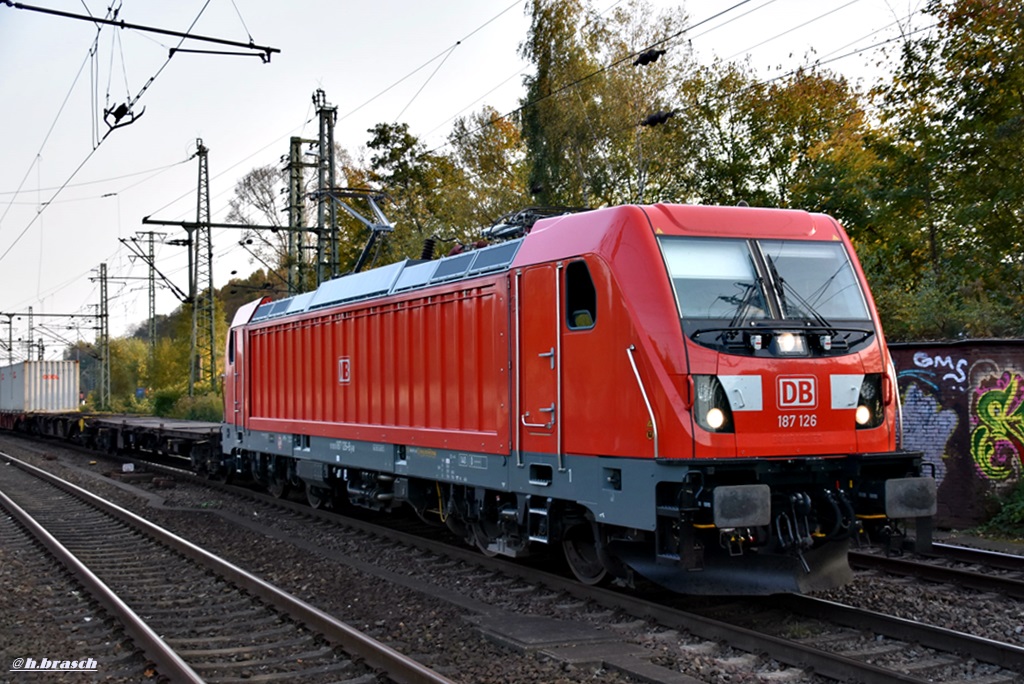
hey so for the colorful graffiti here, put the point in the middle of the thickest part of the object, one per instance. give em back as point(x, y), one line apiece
point(963, 408)
point(997, 440)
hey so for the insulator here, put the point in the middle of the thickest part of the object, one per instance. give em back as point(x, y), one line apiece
point(648, 57)
point(657, 118)
point(428, 249)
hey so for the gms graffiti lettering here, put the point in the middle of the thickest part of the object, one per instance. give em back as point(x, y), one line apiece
point(997, 439)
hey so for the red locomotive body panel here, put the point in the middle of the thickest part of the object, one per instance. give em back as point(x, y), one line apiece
point(421, 370)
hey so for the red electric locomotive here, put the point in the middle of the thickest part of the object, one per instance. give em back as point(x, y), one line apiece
point(699, 394)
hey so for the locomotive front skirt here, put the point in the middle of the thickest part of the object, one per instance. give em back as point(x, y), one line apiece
point(702, 395)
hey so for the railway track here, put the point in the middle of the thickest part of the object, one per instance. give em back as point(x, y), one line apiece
point(65, 621)
point(985, 571)
point(825, 655)
point(199, 618)
point(821, 640)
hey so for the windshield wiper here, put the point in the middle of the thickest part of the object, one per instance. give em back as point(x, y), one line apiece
point(744, 302)
point(782, 287)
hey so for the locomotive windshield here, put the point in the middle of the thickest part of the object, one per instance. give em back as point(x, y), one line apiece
point(729, 285)
point(815, 278)
point(714, 278)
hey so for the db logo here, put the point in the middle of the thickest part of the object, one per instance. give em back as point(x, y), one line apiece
point(344, 370)
point(798, 392)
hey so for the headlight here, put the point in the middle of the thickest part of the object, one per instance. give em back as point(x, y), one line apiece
point(711, 405)
point(715, 418)
point(790, 344)
point(870, 409)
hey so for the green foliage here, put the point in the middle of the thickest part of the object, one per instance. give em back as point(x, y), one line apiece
point(582, 108)
point(131, 404)
point(172, 403)
point(415, 182)
point(489, 152)
point(207, 407)
point(933, 307)
point(950, 197)
point(1009, 520)
point(164, 401)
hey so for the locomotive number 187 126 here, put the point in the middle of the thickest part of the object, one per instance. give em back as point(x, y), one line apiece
point(802, 420)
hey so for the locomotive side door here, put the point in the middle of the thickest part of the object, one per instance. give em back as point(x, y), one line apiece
point(538, 338)
point(234, 383)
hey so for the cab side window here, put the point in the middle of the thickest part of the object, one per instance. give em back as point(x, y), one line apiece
point(580, 297)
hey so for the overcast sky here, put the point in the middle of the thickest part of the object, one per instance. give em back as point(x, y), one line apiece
point(423, 63)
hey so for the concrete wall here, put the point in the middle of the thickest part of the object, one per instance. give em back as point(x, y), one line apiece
point(963, 406)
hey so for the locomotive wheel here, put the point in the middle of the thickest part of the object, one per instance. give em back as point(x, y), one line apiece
point(480, 539)
point(277, 487)
point(581, 554)
point(317, 498)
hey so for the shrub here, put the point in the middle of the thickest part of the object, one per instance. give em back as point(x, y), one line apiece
point(164, 401)
point(1009, 521)
point(208, 407)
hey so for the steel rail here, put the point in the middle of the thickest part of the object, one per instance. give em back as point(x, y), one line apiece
point(831, 665)
point(986, 650)
point(397, 666)
point(937, 573)
point(967, 554)
point(168, 663)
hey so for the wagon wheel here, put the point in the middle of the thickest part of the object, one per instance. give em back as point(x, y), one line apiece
point(582, 556)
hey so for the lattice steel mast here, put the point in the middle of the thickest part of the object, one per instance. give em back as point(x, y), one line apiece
point(297, 216)
point(203, 364)
point(103, 341)
point(326, 213)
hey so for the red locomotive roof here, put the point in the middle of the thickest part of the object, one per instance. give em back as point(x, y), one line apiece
point(677, 219)
point(599, 231)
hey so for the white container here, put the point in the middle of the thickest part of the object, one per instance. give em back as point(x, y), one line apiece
point(39, 387)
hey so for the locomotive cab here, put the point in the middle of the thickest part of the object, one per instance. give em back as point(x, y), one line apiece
point(793, 407)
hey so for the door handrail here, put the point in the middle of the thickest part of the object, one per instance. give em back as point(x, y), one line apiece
point(643, 393)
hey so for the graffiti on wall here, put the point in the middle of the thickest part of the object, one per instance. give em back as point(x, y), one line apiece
point(963, 408)
point(927, 428)
point(997, 421)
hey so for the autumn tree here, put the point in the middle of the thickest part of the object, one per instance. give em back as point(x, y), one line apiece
point(950, 195)
point(422, 189)
point(562, 44)
point(129, 373)
point(598, 80)
point(257, 201)
point(488, 150)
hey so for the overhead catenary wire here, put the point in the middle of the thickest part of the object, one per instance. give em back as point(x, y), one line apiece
point(49, 132)
point(78, 168)
point(665, 41)
point(794, 28)
point(597, 72)
point(443, 53)
point(227, 170)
